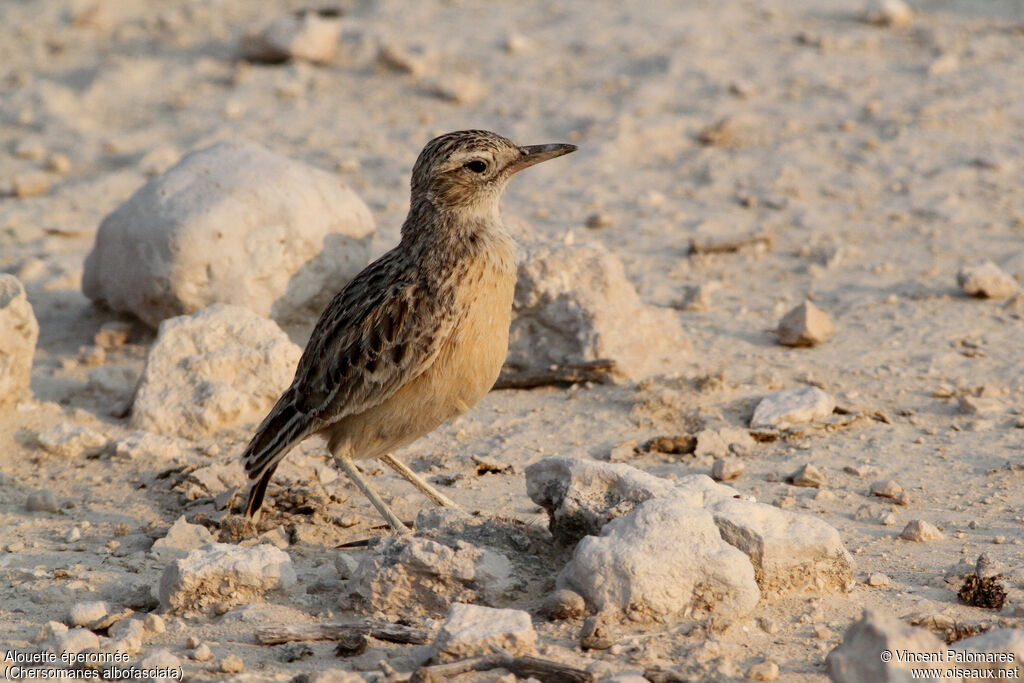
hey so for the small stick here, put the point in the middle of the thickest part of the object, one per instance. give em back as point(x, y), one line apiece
point(729, 245)
point(542, 669)
point(395, 633)
point(598, 371)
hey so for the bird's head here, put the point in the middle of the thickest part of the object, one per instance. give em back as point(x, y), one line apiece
point(467, 170)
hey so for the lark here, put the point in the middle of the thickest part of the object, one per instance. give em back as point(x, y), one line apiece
point(420, 335)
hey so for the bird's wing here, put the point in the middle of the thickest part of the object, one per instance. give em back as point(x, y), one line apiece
point(380, 332)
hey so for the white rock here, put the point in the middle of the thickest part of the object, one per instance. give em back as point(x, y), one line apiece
point(203, 653)
point(181, 538)
point(116, 380)
point(222, 573)
point(666, 559)
point(472, 630)
point(216, 369)
point(720, 442)
point(727, 469)
point(43, 500)
point(858, 659)
point(402, 574)
point(84, 613)
point(231, 223)
point(154, 623)
point(31, 184)
point(311, 35)
point(19, 332)
point(889, 13)
point(457, 88)
point(128, 629)
point(805, 325)
point(783, 409)
point(139, 444)
point(920, 531)
point(414, 60)
point(574, 304)
point(788, 550)
point(986, 280)
point(69, 440)
point(581, 496)
point(162, 661)
point(1002, 643)
point(71, 641)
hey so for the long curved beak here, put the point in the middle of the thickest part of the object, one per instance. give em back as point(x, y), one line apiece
point(534, 154)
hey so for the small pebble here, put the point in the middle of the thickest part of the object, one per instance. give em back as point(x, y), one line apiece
point(84, 613)
point(986, 281)
point(879, 580)
point(563, 604)
point(74, 535)
point(696, 299)
point(31, 184)
point(202, 653)
point(59, 164)
point(805, 325)
point(727, 469)
point(596, 635)
point(920, 531)
point(154, 623)
point(823, 633)
point(895, 13)
point(808, 476)
point(232, 664)
point(43, 500)
point(30, 150)
point(766, 671)
point(192, 642)
point(596, 221)
point(886, 489)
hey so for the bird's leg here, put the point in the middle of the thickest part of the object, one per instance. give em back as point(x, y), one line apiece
point(416, 480)
point(344, 461)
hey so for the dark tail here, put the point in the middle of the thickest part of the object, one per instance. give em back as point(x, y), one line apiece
point(284, 427)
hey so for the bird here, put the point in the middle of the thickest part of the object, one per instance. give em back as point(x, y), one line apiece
point(420, 335)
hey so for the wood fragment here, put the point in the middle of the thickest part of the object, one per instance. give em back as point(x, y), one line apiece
point(728, 246)
point(395, 633)
point(524, 667)
point(599, 371)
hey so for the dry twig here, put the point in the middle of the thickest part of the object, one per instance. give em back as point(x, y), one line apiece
point(599, 371)
point(730, 245)
point(525, 667)
point(395, 633)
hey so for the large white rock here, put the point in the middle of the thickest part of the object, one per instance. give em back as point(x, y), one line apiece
point(581, 496)
point(665, 560)
point(223, 573)
point(783, 409)
point(472, 630)
point(574, 304)
point(231, 223)
point(1005, 647)
point(858, 659)
point(19, 332)
point(399, 574)
point(216, 369)
point(788, 550)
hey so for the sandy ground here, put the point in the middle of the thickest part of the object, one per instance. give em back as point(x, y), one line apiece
point(880, 159)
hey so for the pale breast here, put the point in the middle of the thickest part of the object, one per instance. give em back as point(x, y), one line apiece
point(464, 371)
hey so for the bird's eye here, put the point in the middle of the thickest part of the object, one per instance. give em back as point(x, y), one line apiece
point(477, 166)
